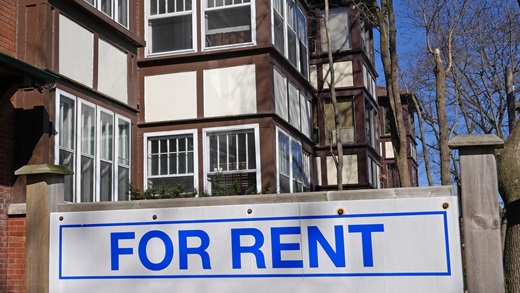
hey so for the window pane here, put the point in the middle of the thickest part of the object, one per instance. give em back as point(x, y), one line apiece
point(122, 12)
point(105, 182)
point(279, 38)
point(124, 142)
point(153, 7)
point(182, 163)
point(233, 163)
point(88, 117)
point(163, 164)
point(213, 153)
point(251, 156)
point(123, 184)
point(173, 164)
point(153, 165)
point(107, 130)
point(222, 147)
point(170, 34)
point(228, 26)
point(87, 179)
point(67, 123)
point(291, 46)
point(242, 151)
point(106, 7)
point(67, 160)
point(170, 182)
point(283, 149)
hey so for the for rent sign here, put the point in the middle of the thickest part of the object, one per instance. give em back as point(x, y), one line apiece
point(393, 245)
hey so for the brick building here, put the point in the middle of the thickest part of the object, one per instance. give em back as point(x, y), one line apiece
point(199, 94)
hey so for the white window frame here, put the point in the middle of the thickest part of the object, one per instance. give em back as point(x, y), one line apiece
point(57, 147)
point(167, 135)
point(117, 165)
point(204, 8)
point(206, 150)
point(305, 163)
point(115, 13)
point(98, 154)
point(285, 19)
point(148, 16)
point(77, 152)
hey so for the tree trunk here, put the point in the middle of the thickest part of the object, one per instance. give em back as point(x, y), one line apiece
point(511, 100)
point(389, 59)
point(440, 103)
point(509, 186)
point(332, 86)
point(423, 141)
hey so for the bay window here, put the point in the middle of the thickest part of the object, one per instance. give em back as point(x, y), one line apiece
point(171, 26)
point(86, 144)
point(228, 22)
point(232, 160)
point(346, 120)
point(171, 161)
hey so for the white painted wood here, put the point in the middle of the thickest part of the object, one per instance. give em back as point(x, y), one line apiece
point(417, 250)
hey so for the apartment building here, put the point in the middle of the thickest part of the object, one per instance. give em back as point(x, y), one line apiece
point(204, 96)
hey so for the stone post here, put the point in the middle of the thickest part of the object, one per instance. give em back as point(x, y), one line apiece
point(45, 188)
point(480, 212)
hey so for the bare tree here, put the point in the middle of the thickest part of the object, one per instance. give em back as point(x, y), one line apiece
point(338, 160)
point(481, 39)
point(383, 17)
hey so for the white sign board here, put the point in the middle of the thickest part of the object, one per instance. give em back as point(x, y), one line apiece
point(392, 245)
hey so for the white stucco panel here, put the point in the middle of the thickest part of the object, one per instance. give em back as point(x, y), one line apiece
point(389, 150)
point(170, 96)
point(112, 72)
point(76, 51)
point(230, 91)
point(343, 74)
point(313, 76)
point(350, 170)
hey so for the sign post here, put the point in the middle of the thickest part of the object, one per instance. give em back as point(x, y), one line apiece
point(384, 245)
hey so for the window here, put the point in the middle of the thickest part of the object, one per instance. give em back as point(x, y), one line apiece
point(171, 160)
point(293, 165)
point(373, 173)
point(86, 144)
point(232, 160)
point(339, 24)
point(171, 26)
point(290, 33)
point(115, 9)
point(228, 22)
point(370, 83)
point(371, 126)
point(346, 120)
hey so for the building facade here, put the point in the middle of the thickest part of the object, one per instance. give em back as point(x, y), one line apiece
point(210, 97)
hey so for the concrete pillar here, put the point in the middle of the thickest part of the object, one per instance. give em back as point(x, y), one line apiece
point(45, 190)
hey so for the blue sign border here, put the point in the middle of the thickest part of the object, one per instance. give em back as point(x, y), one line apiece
point(284, 275)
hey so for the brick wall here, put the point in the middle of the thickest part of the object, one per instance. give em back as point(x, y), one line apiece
point(7, 26)
point(16, 255)
point(6, 181)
